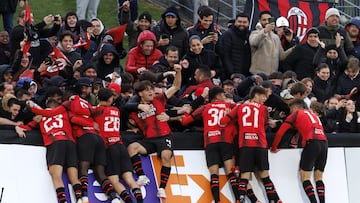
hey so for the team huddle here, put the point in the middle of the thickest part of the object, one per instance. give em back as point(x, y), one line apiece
point(78, 136)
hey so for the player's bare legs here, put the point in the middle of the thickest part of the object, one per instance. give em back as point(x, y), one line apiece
point(72, 174)
point(134, 149)
point(129, 180)
point(214, 182)
point(308, 187)
point(120, 188)
point(165, 156)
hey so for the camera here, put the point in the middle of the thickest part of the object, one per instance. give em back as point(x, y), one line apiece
point(287, 31)
point(56, 18)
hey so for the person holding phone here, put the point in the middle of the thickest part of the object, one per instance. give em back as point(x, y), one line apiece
point(266, 49)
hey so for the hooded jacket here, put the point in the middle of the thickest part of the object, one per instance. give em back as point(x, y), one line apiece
point(104, 69)
point(178, 36)
point(137, 58)
point(266, 51)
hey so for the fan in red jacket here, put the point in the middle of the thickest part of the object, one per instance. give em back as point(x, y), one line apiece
point(144, 55)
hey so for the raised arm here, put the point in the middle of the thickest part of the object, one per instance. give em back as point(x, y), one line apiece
point(177, 82)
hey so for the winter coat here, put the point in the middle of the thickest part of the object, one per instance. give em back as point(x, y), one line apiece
point(300, 60)
point(236, 54)
point(137, 58)
point(266, 51)
point(327, 35)
point(206, 58)
point(178, 36)
point(322, 89)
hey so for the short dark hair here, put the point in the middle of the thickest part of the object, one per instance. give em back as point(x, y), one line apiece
point(298, 87)
point(171, 48)
point(298, 102)
point(104, 94)
point(13, 101)
point(318, 107)
point(264, 12)
point(321, 66)
point(205, 70)
point(256, 90)
point(228, 82)
point(242, 15)
point(127, 88)
point(142, 85)
point(52, 102)
point(21, 92)
point(64, 34)
point(205, 11)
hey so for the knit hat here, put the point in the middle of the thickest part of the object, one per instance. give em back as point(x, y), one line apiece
point(145, 15)
point(312, 30)
point(354, 21)
point(332, 11)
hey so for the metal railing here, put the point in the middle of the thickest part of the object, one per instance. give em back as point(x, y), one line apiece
point(227, 8)
point(349, 9)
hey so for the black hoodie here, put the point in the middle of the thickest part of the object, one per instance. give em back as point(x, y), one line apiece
point(104, 69)
point(178, 36)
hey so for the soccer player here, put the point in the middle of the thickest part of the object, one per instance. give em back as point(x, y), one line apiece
point(119, 164)
point(60, 150)
point(252, 118)
point(156, 131)
point(90, 145)
point(218, 141)
point(314, 142)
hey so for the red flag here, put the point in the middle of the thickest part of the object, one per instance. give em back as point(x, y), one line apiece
point(28, 18)
point(28, 23)
point(117, 33)
point(83, 41)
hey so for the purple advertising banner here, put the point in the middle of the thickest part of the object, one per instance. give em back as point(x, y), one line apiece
point(96, 195)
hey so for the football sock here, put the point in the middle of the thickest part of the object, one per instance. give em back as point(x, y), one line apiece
point(214, 184)
point(270, 189)
point(77, 191)
point(125, 196)
point(242, 186)
point(309, 190)
point(136, 163)
point(234, 184)
point(60, 193)
point(108, 188)
point(84, 185)
point(320, 188)
point(137, 194)
point(251, 195)
point(164, 176)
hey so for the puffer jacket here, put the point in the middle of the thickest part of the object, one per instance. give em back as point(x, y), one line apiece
point(137, 58)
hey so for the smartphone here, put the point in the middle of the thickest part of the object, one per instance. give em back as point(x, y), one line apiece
point(56, 18)
point(164, 36)
point(271, 20)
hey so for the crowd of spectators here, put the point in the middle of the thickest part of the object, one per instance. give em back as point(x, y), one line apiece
point(71, 56)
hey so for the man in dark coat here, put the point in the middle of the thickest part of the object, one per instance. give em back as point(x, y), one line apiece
point(170, 31)
point(236, 55)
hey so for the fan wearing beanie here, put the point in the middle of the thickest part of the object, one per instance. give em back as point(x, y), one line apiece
point(329, 29)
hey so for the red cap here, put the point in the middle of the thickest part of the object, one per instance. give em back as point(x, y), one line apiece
point(115, 87)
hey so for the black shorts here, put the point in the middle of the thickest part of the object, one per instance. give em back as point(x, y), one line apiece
point(157, 144)
point(91, 148)
point(314, 155)
point(217, 153)
point(253, 158)
point(118, 160)
point(62, 153)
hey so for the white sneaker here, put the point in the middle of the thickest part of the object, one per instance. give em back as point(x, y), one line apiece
point(116, 200)
point(143, 180)
point(85, 199)
point(161, 193)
